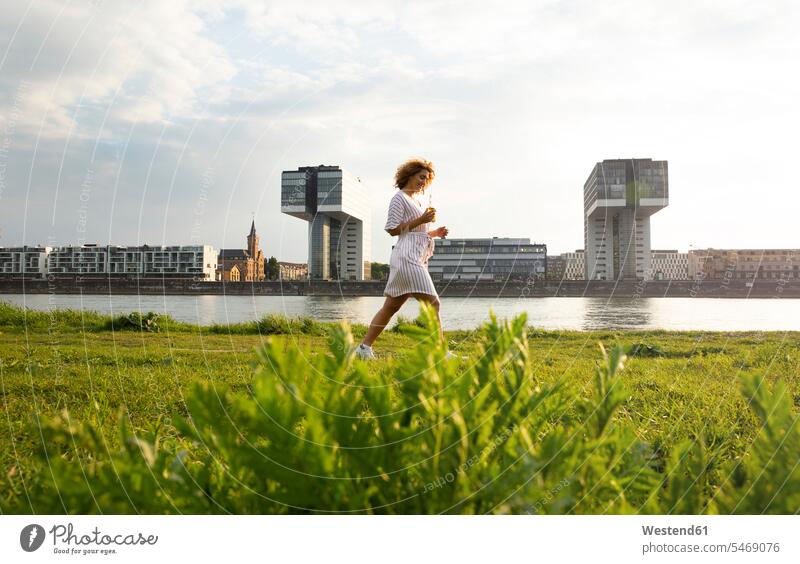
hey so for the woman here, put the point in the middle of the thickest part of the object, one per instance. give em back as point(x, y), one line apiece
point(408, 265)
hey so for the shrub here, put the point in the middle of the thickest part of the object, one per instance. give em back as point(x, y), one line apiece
point(141, 322)
point(274, 324)
point(405, 325)
point(644, 350)
point(56, 319)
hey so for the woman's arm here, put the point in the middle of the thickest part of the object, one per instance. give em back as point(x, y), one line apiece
point(405, 226)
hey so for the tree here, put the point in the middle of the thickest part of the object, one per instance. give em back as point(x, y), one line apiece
point(379, 271)
point(273, 270)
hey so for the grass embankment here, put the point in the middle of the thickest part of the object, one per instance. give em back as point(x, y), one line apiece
point(678, 385)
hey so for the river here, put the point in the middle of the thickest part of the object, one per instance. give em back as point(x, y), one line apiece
point(457, 313)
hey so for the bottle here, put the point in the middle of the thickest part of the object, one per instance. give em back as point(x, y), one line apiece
point(430, 207)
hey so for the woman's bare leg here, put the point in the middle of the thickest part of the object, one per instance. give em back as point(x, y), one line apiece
point(382, 318)
point(434, 301)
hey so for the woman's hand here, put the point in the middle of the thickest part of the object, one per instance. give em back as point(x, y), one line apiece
point(427, 216)
point(439, 232)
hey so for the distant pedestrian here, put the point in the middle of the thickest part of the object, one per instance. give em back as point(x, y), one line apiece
point(408, 265)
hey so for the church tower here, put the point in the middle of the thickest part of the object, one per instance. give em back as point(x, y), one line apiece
point(252, 242)
point(255, 255)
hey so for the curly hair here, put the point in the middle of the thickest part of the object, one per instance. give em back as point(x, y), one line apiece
point(411, 167)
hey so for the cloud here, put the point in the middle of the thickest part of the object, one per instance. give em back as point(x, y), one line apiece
point(136, 62)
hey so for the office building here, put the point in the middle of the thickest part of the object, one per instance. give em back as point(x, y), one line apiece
point(566, 266)
point(665, 265)
point(744, 264)
point(292, 270)
point(618, 199)
point(487, 259)
point(24, 262)
point(574, 265)
point(191, 261)
point(555, 267)
point(669, 265)
point(336, 206)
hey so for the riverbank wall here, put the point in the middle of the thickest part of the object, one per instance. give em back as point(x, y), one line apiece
point(539, 289)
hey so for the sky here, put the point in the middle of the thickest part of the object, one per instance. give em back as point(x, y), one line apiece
point(170, 122)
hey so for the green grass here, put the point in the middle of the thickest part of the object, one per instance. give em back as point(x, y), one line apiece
point(116, 398)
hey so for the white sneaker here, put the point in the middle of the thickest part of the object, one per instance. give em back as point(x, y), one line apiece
point(365, 352)
point(451, 356)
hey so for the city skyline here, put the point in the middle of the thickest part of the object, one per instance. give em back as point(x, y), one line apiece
point(111, 137)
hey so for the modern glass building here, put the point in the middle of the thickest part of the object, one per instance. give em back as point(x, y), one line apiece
point(336, 206)
point(487, 259)
point(618, 199)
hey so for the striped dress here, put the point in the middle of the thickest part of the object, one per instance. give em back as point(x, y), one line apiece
point(408, 265)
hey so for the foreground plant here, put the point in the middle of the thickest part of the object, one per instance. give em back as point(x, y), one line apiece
point(323, 433)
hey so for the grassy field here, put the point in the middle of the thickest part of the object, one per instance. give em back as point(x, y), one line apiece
point(680, 389)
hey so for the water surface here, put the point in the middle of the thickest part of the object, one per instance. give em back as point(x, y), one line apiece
point(457, 313)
